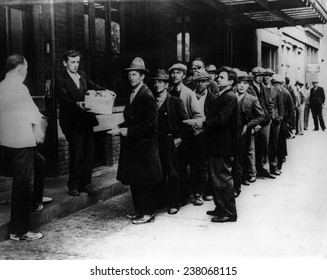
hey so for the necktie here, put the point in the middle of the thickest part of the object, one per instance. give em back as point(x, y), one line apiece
point(132, 96)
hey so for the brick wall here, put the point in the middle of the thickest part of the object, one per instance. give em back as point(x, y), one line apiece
point(111, 151)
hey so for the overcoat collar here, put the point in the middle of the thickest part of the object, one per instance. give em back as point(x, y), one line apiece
point(129, 109)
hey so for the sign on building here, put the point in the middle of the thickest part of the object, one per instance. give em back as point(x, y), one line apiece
point(313, 68)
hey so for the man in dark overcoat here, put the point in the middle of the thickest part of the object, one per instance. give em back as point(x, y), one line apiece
point(139, 164)
point(172, 134)
point(77, 123)
point(316, 102)
point(220, 137)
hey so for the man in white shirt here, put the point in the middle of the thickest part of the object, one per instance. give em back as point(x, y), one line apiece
point(20, 120)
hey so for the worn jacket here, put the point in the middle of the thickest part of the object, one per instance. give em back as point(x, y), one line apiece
point(139, 162)
point(252, 110)
point(220, 126)
point(70, 115)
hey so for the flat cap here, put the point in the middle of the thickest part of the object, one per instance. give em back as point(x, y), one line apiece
point(276, 78)
point(242, 75)
point(178, 66)
point(201, 76)
point(269, 72)
point(211, 69)
point(258, 71)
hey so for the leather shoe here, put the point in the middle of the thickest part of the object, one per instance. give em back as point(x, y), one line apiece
point(212, 212)
point(269, 175)
point(144, 219)
point(133, 216)
point(173, 211)
point(73, 192)
point(208, 198)
point(236, 193)
point(198, 200)
point(275, 172)
point(252, 179)
point(87, 189)
point(245, 183)
point(224, 219)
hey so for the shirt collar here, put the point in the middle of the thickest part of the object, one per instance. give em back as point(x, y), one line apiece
point(74, 75)
point(135, 90)
point(225, 89)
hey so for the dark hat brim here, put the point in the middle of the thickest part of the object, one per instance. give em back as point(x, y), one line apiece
point(137, 69)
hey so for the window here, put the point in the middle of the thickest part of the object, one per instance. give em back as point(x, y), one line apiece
point(15, 24)
point(183, 39)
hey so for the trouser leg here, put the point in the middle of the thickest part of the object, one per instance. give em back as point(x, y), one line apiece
point(22, 160)
point(222, 180)
point(39, 174)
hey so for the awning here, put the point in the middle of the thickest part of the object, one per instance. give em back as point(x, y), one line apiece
point(273, 13)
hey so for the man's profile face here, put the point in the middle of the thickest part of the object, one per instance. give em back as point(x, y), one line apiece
point(267, 79)
point(72, 64)
point(177, 76)
point(223, 80)
point(135, 78)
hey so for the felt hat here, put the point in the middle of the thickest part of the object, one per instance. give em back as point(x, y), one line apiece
point(137, 65)
point(160, 74)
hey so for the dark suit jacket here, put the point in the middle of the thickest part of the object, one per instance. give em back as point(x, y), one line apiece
point(139, 162)
point(176, 114)
point(220, 126)
point(265, 101)
point(252, 111)
point(277, 98)
point(317, 97)
point(289, 111)
point(68, 95)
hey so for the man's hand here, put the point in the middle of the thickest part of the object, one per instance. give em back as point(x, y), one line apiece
point(245, 128)
point(123, 131)
point(177, 142)
point(257, 128)
point(81, 105)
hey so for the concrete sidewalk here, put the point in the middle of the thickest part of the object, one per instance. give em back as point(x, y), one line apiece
point(104, 181)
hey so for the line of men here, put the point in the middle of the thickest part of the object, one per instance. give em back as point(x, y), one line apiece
point(193, 138)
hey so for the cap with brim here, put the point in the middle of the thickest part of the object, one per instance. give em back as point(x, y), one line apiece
point(276, 78)
point(269, 72)
point(161, 75)
point(299, 83)
point(137, 65)
point(258, 71)
point(211, 69)
point(241, 75)
point(201, 76)
point(178, 66)
point(315, 82)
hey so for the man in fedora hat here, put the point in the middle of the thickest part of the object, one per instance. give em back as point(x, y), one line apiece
point(316, 103)
point(177, 73)
point(250, 114)
point(77, 123)
point(171, 134)
point(139, 164)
